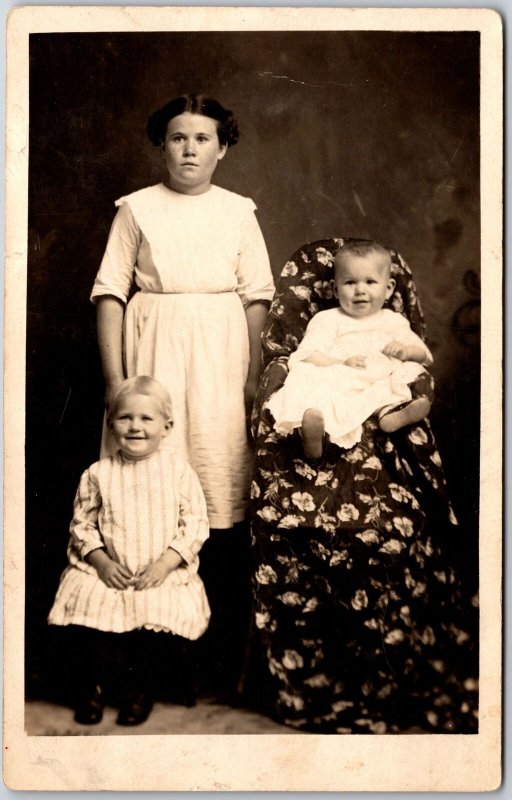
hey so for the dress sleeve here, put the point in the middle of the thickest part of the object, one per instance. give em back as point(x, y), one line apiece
point(254, 275)
point(193, 528)
point(319, 335)
point(407, 336)
point(85, 534)
point(116, 271)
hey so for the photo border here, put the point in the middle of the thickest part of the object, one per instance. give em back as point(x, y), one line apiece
point(239, 762)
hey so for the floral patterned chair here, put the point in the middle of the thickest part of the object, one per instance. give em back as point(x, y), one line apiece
point(363, 623)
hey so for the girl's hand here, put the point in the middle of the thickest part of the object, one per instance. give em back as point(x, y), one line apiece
point(358, 362)
point(396, 349)
point(113, 575)
point(250, 390)
point(110, 390)
point(155, 574)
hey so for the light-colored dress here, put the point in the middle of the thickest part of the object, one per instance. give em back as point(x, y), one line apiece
point(347, 396)
point(198, 261)
point(136, 510)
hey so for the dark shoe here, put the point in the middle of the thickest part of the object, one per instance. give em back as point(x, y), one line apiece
point(187, 697)
point(89, 711)
point(135, 709)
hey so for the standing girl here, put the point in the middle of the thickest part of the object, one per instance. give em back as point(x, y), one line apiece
point(139, 522)
point(200, 264)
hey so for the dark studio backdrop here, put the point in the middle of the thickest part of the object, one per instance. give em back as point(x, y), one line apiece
point(370, 134)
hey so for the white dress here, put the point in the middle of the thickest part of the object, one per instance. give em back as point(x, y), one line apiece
point(136, 510)
point(347, 396)
point(197, 261)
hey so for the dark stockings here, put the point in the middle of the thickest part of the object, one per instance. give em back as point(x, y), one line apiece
point(225, 570)
point(139, 661)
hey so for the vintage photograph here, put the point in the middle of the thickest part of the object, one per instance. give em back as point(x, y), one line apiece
point(254, 373)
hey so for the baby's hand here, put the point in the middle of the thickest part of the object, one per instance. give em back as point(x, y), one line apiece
point(114, 575)
point(359, 362)
point(396, 349)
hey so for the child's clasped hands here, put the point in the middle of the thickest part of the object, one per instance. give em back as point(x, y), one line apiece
point(118, 576)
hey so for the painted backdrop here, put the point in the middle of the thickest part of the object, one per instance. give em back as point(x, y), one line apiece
point(371, 134)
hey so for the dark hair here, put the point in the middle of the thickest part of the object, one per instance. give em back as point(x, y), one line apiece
point(361, 248)
point(227, 128)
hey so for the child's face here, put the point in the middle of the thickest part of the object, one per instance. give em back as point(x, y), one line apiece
point(363, 284)
point(192, 151)
point(139, 425)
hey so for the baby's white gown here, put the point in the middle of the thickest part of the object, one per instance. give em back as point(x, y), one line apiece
point(347, 396)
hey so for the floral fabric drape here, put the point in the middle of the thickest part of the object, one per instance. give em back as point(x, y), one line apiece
point(364, 624)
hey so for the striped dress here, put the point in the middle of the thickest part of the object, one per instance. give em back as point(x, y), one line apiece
point(135, 510)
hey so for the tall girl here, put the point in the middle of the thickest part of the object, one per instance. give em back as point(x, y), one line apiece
point(200, 265)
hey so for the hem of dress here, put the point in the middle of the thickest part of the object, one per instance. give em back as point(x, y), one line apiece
point(226, 523)
point(345, 441)
point(147, 625)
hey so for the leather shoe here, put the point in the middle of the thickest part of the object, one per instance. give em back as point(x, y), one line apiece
point(89, 711)
point(135, 709)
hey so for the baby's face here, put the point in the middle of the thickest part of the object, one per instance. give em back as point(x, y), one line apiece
point(139, 425)
point(363, 283)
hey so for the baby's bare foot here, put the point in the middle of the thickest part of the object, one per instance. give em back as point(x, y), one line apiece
point(313, 430)
point(391, 418)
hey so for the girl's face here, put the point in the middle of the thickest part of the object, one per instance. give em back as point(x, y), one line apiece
point(192, 151)
point(139, 425)
point(363, 284)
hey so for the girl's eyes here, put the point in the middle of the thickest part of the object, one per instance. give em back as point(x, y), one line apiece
point(128, 418)
point(178, 138)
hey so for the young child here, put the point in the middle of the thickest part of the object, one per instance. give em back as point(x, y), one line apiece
point(353, 360)
point(139, 522)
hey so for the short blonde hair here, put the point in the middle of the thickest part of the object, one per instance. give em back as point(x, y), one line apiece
point(142, 384)
point(361, 248)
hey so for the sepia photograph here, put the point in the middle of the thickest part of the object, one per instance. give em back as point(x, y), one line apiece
point(245, 506)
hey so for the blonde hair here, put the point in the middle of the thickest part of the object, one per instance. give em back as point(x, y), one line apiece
point(361, 248)
point(142, 384)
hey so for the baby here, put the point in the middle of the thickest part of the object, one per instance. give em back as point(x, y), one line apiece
point(354, 360)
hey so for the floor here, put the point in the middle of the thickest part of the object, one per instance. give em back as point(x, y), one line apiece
point(43, 718)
